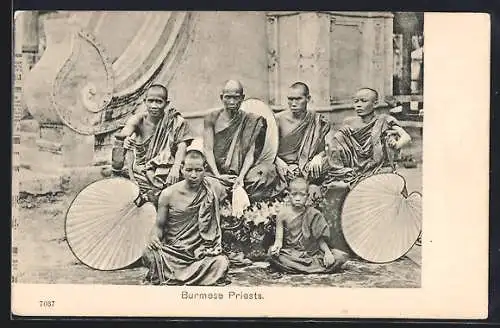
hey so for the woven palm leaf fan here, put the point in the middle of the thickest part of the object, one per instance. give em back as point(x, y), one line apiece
point(258, 107)
point(380, 221)
point(107, 228)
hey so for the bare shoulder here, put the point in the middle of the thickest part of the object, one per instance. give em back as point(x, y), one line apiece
point(136, 118)
point(215, 185)
point(282, 114)
point(212, 115)
point(167, 194)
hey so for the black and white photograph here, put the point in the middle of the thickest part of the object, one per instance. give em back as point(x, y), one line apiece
point(223, 149)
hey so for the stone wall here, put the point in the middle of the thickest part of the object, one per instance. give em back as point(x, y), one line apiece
point(224, 45)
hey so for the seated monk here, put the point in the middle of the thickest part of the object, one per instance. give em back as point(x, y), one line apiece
point(185, 247)
point(159, 138)
point(303, 237)
point(301, 136)
point(234, 140)
point(366, 143)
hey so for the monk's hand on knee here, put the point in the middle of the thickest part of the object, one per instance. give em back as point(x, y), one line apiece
point(282, 169)
point(275, 250)
point(328, 259)
point(315, 166)
point(393, 143)
point(154, 242)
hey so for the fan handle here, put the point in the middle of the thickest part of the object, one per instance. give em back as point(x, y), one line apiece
point(118, 153)
point(140, 200)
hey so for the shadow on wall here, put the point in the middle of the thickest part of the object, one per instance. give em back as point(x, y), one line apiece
point(224, 45)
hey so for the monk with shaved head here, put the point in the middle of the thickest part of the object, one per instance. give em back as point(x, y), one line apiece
point(156, 139)
point(234, 140)
point(366, 143)
point(301, 136)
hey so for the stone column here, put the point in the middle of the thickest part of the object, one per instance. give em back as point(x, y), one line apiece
point(333, 52)
point(58, 146)
point(30, 37)
point(314, 56)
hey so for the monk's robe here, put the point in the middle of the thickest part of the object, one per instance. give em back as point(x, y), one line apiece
point(155, 156)
point(300, 252)
point(232, 144)
point(355, 154)
point(190, 239)
point(304, 142)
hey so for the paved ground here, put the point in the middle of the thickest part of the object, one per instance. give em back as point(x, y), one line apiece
point(42, 256)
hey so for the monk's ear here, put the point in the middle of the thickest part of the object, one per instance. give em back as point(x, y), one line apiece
point(308, 98)
point(242, 96)
point(221, 96)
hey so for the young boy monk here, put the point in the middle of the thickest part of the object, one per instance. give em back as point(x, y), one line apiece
point(303, 237)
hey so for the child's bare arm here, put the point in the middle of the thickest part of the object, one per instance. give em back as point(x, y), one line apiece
point(324, 246)
point(279, 232)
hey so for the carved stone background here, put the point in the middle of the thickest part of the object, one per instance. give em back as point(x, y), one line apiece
point(90, 79)
point(334, 52)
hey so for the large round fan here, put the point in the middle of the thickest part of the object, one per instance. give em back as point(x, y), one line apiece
point(257, 106)
point(380, 221)
point(105, 229)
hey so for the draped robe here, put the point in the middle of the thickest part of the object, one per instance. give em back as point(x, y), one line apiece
point(298, 147)
point(231, 146)
point(155, 156)
point(187, 234)
point(362, 152)
point(300, 252)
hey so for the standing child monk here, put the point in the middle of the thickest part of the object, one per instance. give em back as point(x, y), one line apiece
point(302, 243)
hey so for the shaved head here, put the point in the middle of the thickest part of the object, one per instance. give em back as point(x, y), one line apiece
point(232, 96)
point(194, 155)
point(233, 86)
point(158, 90)
point(301, 86)
point(299, 182)
point(371, 91)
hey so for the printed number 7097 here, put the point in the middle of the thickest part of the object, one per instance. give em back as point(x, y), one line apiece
point(47, 303)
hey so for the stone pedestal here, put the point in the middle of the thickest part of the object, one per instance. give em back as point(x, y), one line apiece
point(56, 148)
point(331, 208)
point(333, 52)
point(54, 92)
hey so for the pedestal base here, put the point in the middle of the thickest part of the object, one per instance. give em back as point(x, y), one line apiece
point(331, 208)
point(56, 148)
point(54, 158)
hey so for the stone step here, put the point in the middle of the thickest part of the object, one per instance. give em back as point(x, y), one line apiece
point(29, 125)
point(69, 180)
point(37, 183)
point(29, 139)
